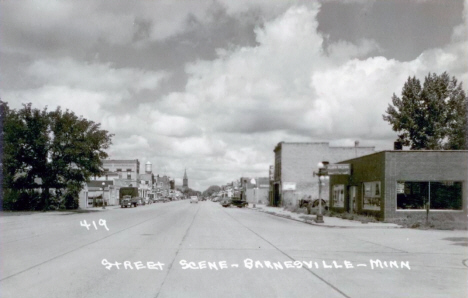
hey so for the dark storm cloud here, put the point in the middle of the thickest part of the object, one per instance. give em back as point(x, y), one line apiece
point(403, 28)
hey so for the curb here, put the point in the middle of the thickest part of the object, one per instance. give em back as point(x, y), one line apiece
point(306, 221)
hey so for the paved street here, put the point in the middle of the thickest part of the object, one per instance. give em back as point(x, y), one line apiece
point(204, 250)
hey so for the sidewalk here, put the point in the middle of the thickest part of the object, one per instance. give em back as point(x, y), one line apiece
point(330, 222)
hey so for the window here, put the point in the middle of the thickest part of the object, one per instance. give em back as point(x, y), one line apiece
point(338, 195)
point(129, 176)
point(119, 170)
point(440, 195)
point(371, 195)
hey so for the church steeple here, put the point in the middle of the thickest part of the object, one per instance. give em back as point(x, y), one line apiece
point(185, 181)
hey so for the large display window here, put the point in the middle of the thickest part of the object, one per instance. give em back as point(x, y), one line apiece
point(338, 195)
point(371, 196)
point(439, 195)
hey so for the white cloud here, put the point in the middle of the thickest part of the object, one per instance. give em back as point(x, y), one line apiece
point(288, 84)
point(237, 107)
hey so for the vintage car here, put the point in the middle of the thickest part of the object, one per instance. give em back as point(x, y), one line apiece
point(139, 200)
point(225, 202)
point(193, 199)
point(238, 202)
point(127, 201)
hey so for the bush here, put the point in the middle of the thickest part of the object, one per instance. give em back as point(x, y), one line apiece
point(21, 200)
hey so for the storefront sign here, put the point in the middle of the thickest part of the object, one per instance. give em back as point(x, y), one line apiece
point(339, 169)
point(289, 186)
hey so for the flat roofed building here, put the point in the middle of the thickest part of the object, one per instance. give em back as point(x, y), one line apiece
point(126, 169)
point(399, 184)
point(294, 166)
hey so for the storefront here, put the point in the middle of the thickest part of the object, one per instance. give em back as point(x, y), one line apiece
point(394, 184)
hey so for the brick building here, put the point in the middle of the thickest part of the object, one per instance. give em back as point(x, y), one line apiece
point(400, 184)
point(294, 166)
point(125, 169)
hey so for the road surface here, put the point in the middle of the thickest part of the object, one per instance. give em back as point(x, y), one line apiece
point(179, 249)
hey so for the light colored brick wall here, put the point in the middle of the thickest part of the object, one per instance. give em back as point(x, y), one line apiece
point(299, 161)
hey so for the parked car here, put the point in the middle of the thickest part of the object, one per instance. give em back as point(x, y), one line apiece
point(140, 201)
point(238, 202)
point(193, 199)
point(226, 202)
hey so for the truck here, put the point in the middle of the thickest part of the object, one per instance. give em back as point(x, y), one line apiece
point(127, 191)
point(128, 201)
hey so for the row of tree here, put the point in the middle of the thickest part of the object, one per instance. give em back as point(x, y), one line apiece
point(47, 156)
point(432, 116)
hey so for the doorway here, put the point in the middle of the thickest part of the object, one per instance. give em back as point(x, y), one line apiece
point(352, 199)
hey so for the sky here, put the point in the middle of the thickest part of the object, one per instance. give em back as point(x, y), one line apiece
point(212, 86)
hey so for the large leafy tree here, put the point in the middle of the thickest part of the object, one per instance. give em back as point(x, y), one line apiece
point(432, 116)
point(211, 190)
point(50, 150)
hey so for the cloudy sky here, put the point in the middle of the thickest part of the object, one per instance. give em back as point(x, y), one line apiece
point(214, 85)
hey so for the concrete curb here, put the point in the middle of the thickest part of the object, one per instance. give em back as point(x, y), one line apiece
point(310, 222)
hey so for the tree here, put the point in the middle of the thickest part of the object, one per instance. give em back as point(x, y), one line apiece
point(51, 150)
point(433, 116)
point(211, 190)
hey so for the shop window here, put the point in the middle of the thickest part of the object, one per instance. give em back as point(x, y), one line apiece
point(338, 195)
point(440, 195)
point(371, 196)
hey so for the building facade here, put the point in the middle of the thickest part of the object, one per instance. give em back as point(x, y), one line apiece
point(117, 174)
point(257, 192)
point(401, 184)
point(295, 163)
point(125, 169)
point(146, 182)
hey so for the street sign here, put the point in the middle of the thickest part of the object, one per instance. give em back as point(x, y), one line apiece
point(289, 186)
point(339, 169)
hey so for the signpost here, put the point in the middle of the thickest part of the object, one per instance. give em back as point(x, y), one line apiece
point(339, 169)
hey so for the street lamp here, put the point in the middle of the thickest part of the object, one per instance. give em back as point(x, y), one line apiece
point(103, 201)
point(255, 191)
point(322, 175)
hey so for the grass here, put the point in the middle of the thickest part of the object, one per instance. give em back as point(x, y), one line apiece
point(440, 222)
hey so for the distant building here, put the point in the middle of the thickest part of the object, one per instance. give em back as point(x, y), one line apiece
point(146, 181)
point(294, 166)
point(162, 185)
point(255, 190)
point(117, 173)
point(125, 169)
